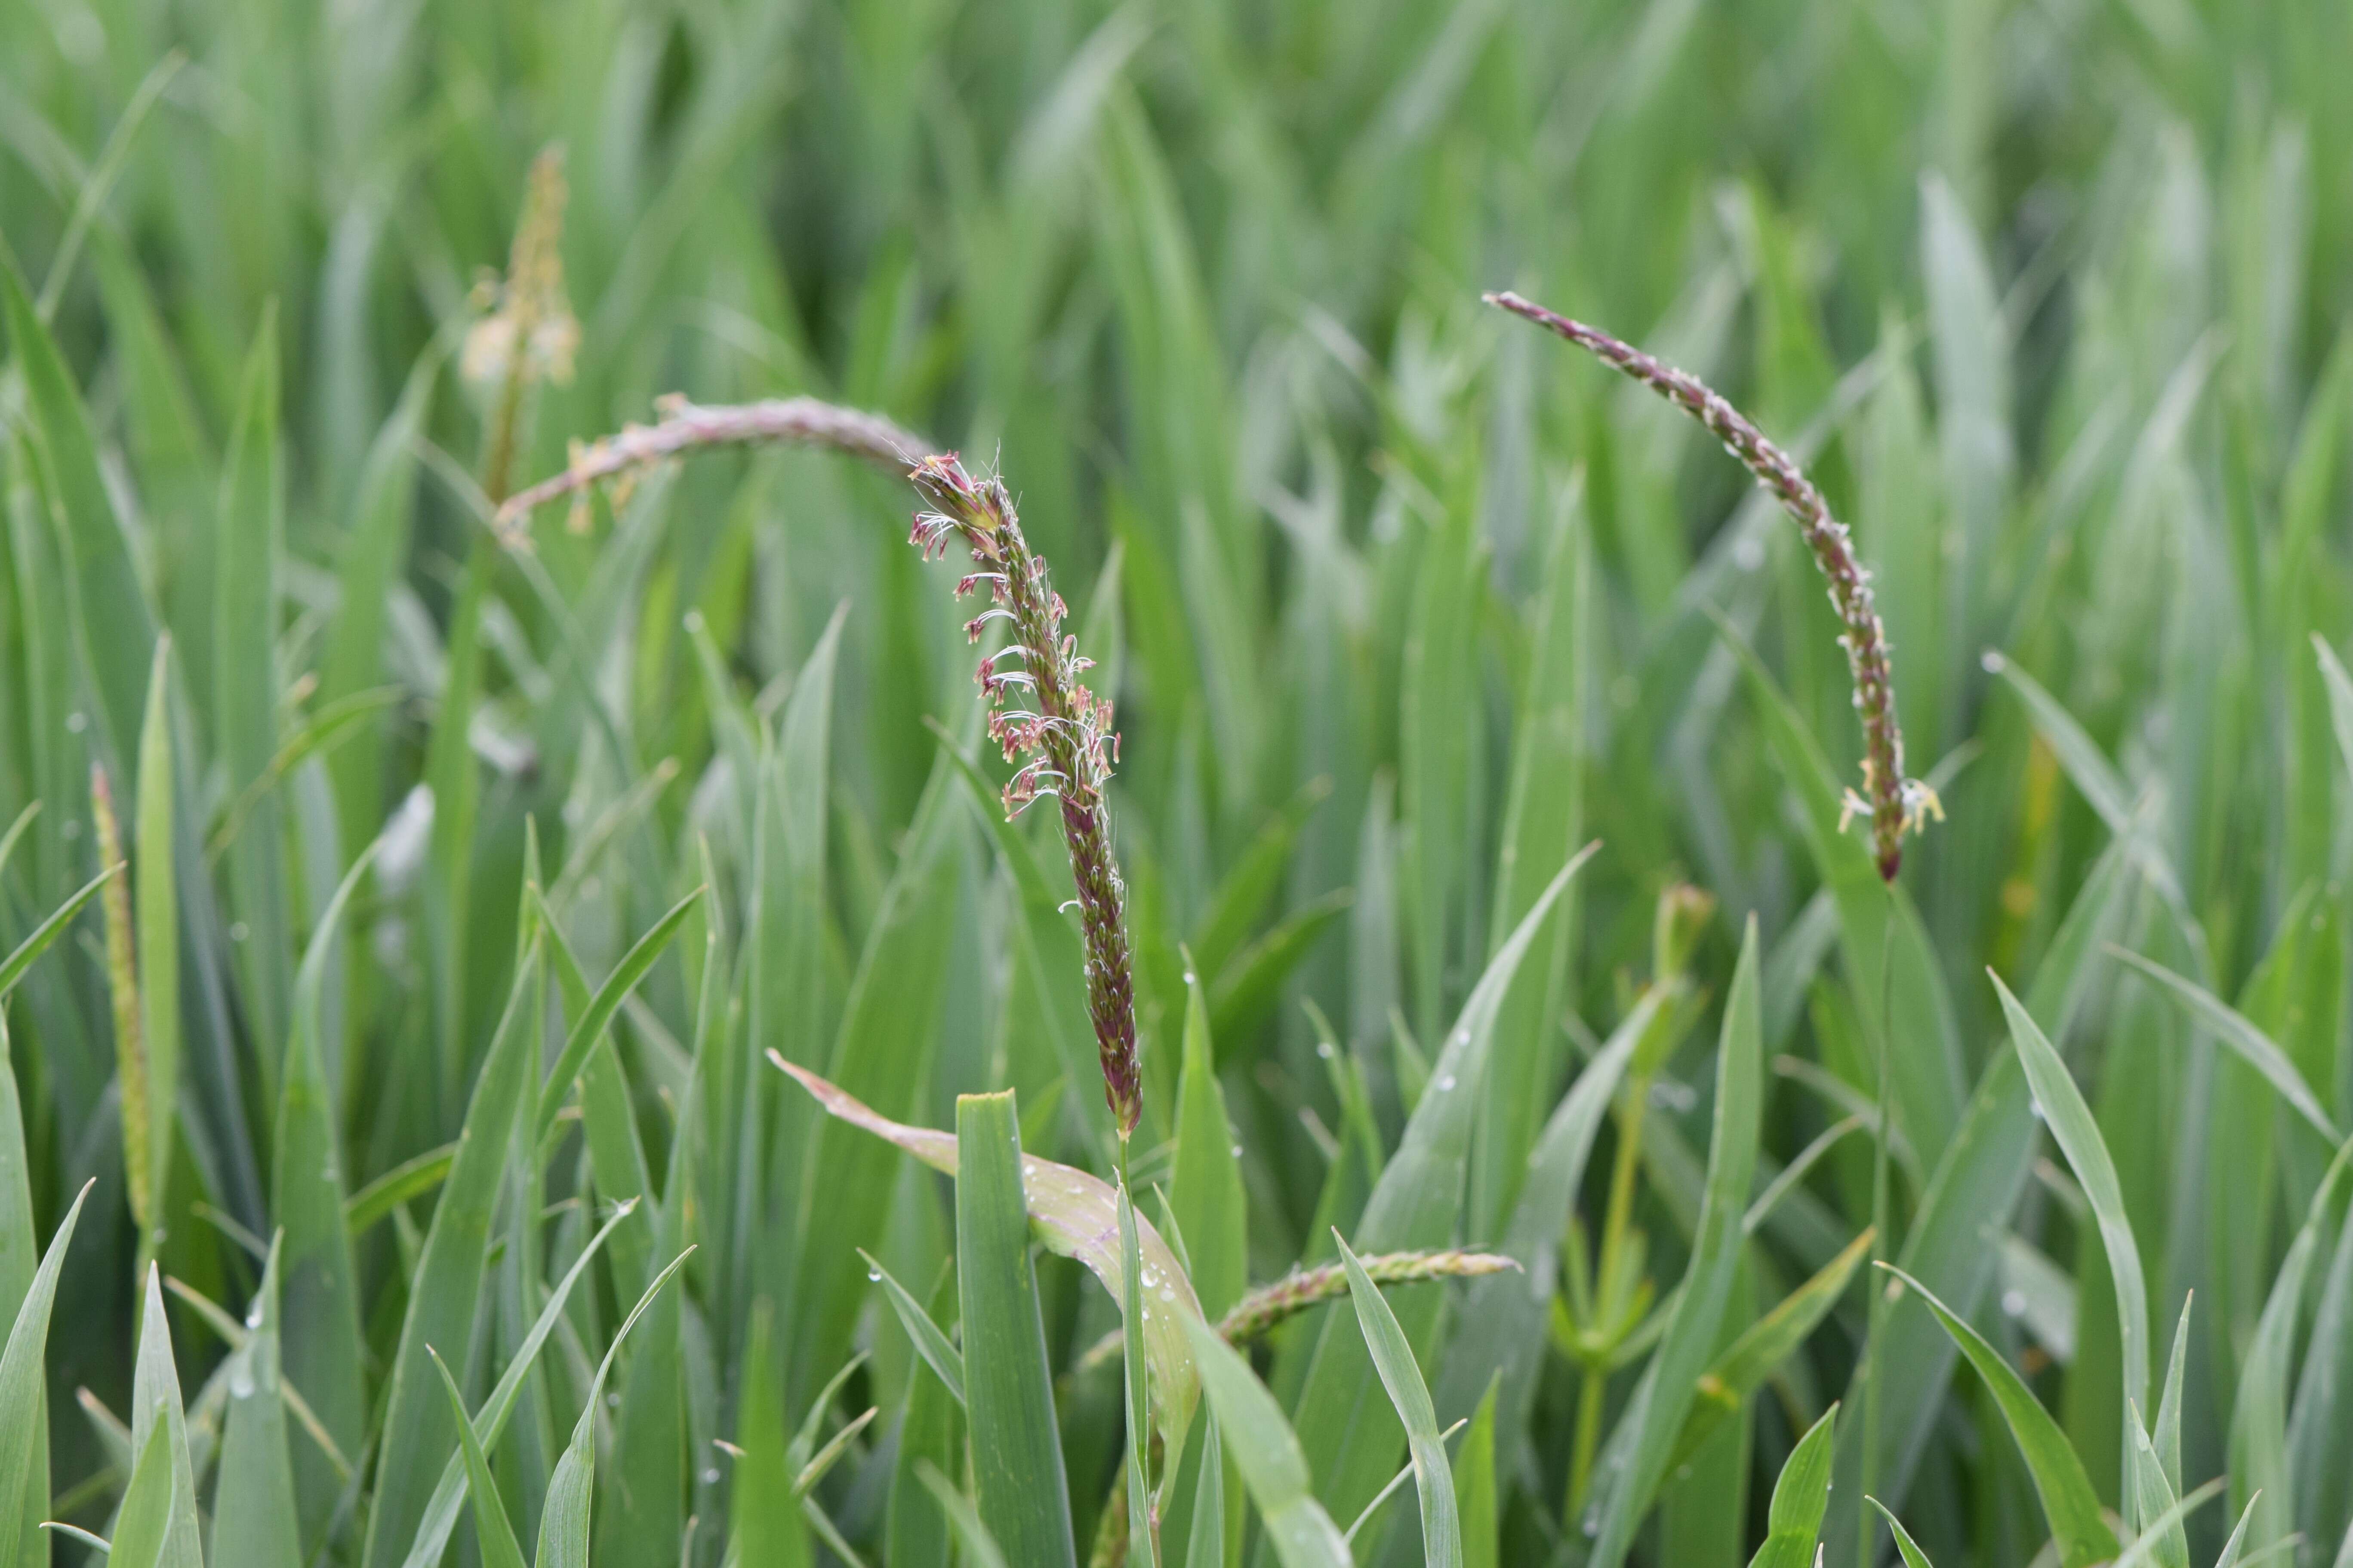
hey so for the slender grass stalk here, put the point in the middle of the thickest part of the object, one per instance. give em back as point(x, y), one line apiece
point(1894, 804)
point(530, 334)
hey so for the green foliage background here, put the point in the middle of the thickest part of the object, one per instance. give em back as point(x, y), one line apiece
point(1402, 602)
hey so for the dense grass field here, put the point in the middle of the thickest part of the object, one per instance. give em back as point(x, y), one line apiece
point(418, 900)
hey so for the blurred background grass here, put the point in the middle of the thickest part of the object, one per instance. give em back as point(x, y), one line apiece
point(1400, 602)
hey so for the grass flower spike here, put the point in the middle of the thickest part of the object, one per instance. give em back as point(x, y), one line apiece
point(1062, 739)
point(1894, 804)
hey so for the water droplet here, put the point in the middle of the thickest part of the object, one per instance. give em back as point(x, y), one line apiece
point(241, 1382)
point(613, 1400)
point(1165, 1295)
point(1238, 1151)
point(238, 932)
point(1461, 1037)
point(711, 1475)
point(76, 721)
point(2014, 1303)
point(1445, 1082)
point(875, 1277)
point(1324, 1050)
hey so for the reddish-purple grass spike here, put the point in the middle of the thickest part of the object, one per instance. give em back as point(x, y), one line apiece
point(1064, 734)
point(1895, 803)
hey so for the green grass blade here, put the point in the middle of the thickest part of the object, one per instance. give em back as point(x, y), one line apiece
point(24, 1425)
point(249, 543)
point(1206, 1546)
point(322, 1344)
point(156, 1405)
point(627, 975)
point(767, 1531)
point(938, 1352)
point(1434, 1475)
point(1142, 1525)
point(1671, 1382)
point(2167, 1434)
point(980, 1548)
point(1344, 1425)
point(2068, 1500)
point(254, 1515)
point(2237, 1031)
point(564, 1520)
point(142, 1529)
point(2144, 1549)
point(447, 1284)
point(19, 1264)
point(156, 897)
point(1799, 1496)
point(12, 968)
point(1904, 1545)
point(1763, 1345)
point(412, 1178)
point(2070, 1121)
point(492, 1535)
point(1481, 1499)
point(1205, 1190)
point(1267, 1453)
point(1023, 1497)
point(2153, 1500)
point(490, 1422)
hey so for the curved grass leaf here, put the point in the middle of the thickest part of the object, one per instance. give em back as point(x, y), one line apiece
point(23, 1431)
point(1267, 1453)
point(626, 975)
point(1799, 1496)
point(2071, 1122)
point(446, 1284)
point(980, 1546)
point(2068, 1500)
point(12, 968)
point(1904, 1545)
point(1748, 1361)
point(1205, 1188)
point(564, 1519)
point(322, 1344)
point(1433, 1476)
point(492, 1534)
point(490, 1421)
point(939, 1353)
point(1655, 1417)
point(156, 1404)
point(2235, 1030)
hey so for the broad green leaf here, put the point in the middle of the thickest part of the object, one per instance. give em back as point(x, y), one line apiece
point(1655, 1417)
point(447, 1283)
point(2068, 1500)
point(1250, 1424)
point(1799, 1496)
point(1434, 1475)
point(1075, 1215)
point(492, 1535)
point(1206, 1189)
point(1017, 1452)
point(2070, 1121)
point(254, 1516)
